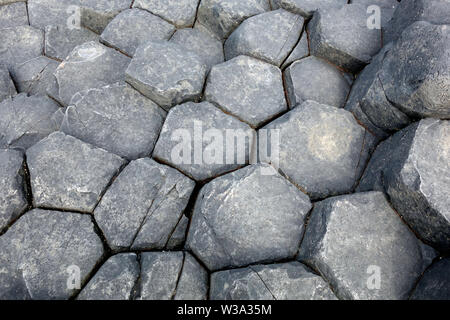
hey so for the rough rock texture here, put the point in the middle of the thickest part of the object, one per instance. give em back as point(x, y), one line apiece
point(7, 88)
point(194, 140)
point(175, 76)
point(386, 7)
point(178, 237)
point(248, 216)
point(143, 206)
point(300, 51)
point(116, 118)
point(383, 258)
point(307, 7)
point(58, 180)
point(247, 88)
point(193, 280)
point(13, 15)
point(286, 281)
point(435, 283)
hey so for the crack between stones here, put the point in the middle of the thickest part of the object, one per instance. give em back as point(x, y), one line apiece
point(136, 290)
point(174, 292)
point(264, 283)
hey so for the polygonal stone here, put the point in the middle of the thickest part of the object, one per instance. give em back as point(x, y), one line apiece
point(268, 36)
point(143, 206)
point(363, 249)
point(285, 281)
point(13, 15)
point(435, 283)
point(7, 87)
point(202, 43)
point(300, 51)
point(342, 37)
point(248, 216)
point(69, 174)
point(194, 140)
point(26, 120)
point(322, 149)
point(192, 284)
point(90, 65)
point(114, 281)
point(307, 7)
point(116, 118)
point(40, 252)
point(248, 88)
point(133, 27)
point(13, 200)
point(178, 237)
point(181, 13)
point(222, 17)
point(412, 167)
point(312, 78)
point(174, 75)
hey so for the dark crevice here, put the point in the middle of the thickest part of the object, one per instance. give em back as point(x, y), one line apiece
point(435, 260)
point(174, 292)
point(136, 290)
point(305, 226)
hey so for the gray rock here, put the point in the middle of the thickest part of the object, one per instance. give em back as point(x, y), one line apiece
point(7, 87)
point(114, 281)
point(26, 120)
point(268, 36)
point(69, 174)
point(386, 7)
point(412, 168)
point(222, 17)
point(181, 13)
point(286, 281)
point(435, 283)
point(40, 249)
point(312, 78)
point(13, 15)
point(342, 37)
point(274, 4)
point(248, 216)
point(250, 89)
point(363, 249)
point(193, 280)
point(307, 7)
point(90, 65)
point(322, 149)
point(133, 27)
point(13, 200)
point(178, 237)
point(194, 140)
point(300, 51)
point(116, 118)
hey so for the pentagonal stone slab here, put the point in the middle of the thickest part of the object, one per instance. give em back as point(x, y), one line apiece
point(268, 36)
point(131, 28)
point(322, 149)
point(69, 174)
point(300, 51)
point(249, 89)
point(13, 15)
point(42, 249)
point(342, 37)
point(222, 17)
point(193, 281)
point(143, 206)
point(13, 200)
point(7, 88)
point(174, 75)
point(90, 65)
point(116, 118)
point(26, 120)
point(286, 281)
point(435, 283)
point(179, 12)
point(248, 216)
point(114, 281)
point(312, 78)
point(363, 249)
point(307, 7)
point(413, 167)
point(194, 140)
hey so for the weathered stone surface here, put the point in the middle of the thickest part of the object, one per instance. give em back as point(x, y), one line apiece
point(69, 174)
point(38, 250)
point(386, 9)
point(300, 51)
point(7, 88)
point(286, 281)
point(178, 237)
point(193, 281)
point(13, 15)
point(116, 118)
point(13, 200)
point(435, 283)
point(312, 78)
point(133, 27)
point(248, 216)
point(322, 149)
point(90, 65)
point(412, 167)
point(174, 76)
point(342, 37)
point(194, 140)
point(248, 88)
point(26, 120)
point(181, 13)
point(307, 7)
point(202, 43)
point(383, 258)
point(268, 36)
point(114, 281)
point(222, 17)
point(142, 207)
